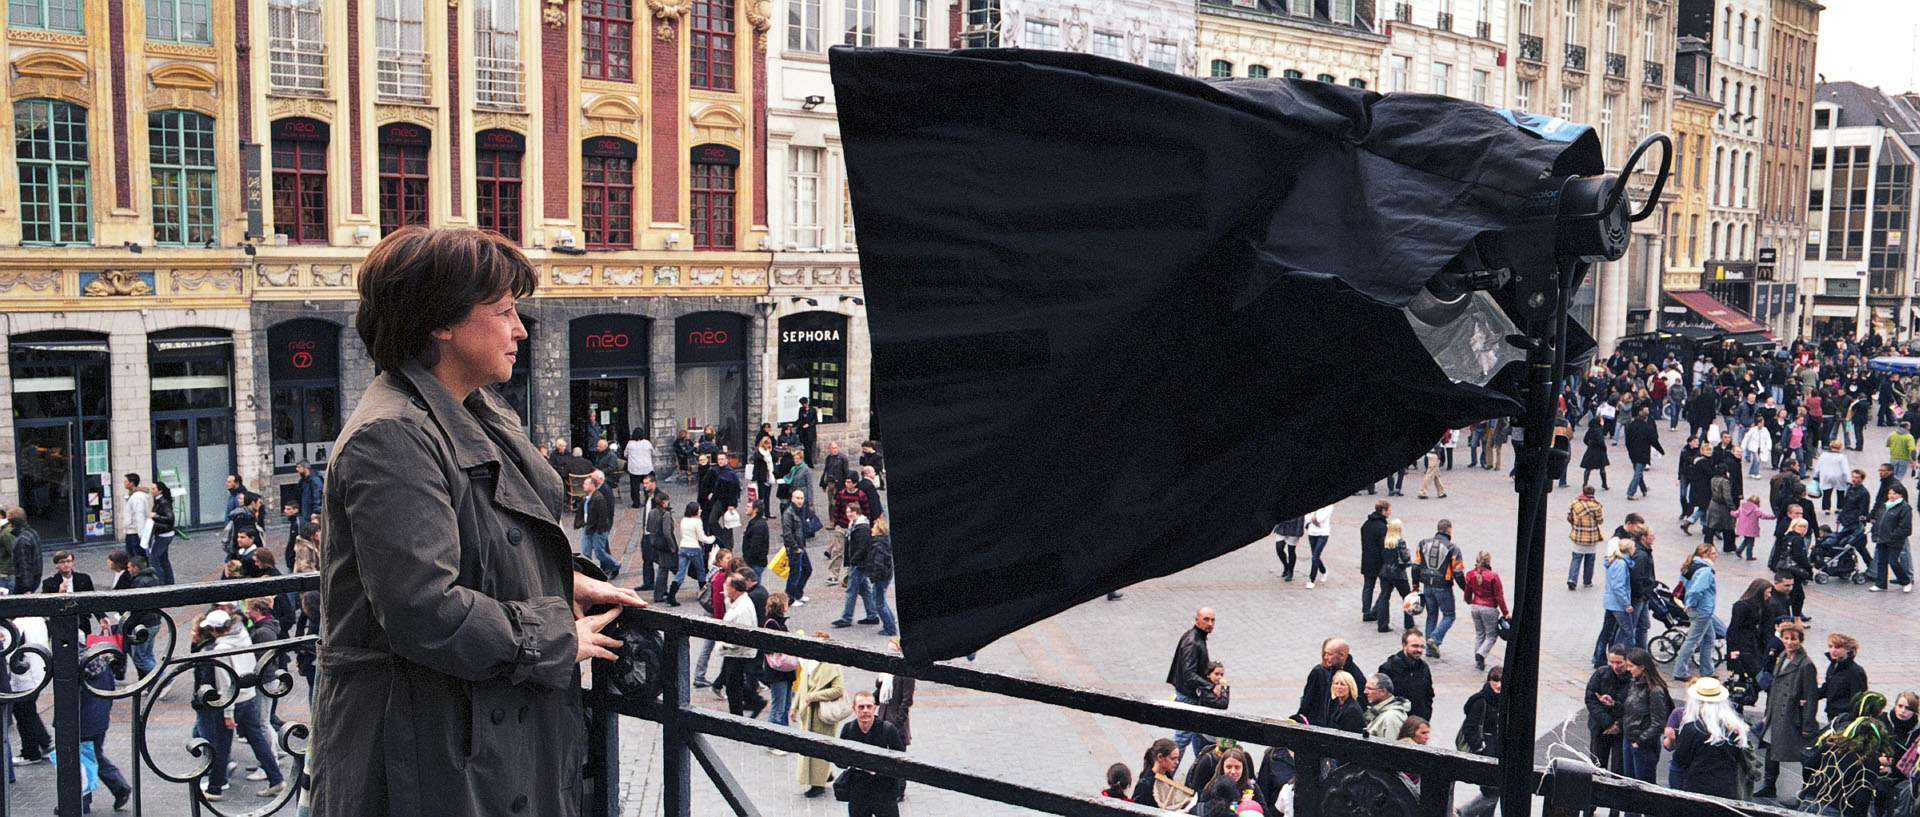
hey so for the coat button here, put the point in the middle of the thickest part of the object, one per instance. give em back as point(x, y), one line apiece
point(514, 535)
point(499, 716)
point(523, 714)
point(519, 804)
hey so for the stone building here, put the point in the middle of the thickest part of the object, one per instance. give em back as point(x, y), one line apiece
point(1336, 41)
point(1859, 258)
point(1455, 48)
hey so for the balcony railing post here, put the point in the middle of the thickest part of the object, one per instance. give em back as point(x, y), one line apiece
point(63, 634)
point(602, 793)
point(1308, 785)
point(676, 756)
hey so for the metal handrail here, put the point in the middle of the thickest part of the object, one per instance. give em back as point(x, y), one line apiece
point(403, 74)
point(296, 65)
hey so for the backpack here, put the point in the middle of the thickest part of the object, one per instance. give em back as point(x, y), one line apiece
point(1433, 562)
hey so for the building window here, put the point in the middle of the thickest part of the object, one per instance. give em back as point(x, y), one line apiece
point(803, 198)
point(710, 54)
point(846, 213)
point(1650, 41)
point(1693, 240)
point(1480, 81)
point(712, 210)
point(1442, 80)
point(606, 39)
point(303, 364)
point(606, 193)
point(1398, 68)
point(1753, 56)
point(1740, 41)
point(1523, 95)
point(56, 15)
point(180, 149)
point(1327, 78)
point(1569, 100)
point(982, 20)
point(803, 25)
point(1162, 55)
point(1822, 119)
point(1257, 71)
point(403, 177)
point(496, 180)
point(1524, 17)
point(1608, 103)
point(300, 180)
point(50, 145)
point(1302, 8)
point(401, 37)
point(1108, 45)
point(1613, 29)
point(913, 23)
point(181, 21)
point(1042, 35)
point(1292, 74)
point(1222, 68)
point(1357, 82)
point(859, 15)
point(1571, 19)
point(296, 49)
point(1342, 12)
point(500, 78)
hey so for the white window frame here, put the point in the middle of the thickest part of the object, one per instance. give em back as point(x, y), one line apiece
point(1523, 95)
point(803, 25)
point(1482, 82)
point(913, 23)
point(1613, 29)
point(861, 20)
point(400, 37)
point(296, 48)
point(1163, 55)
point(1569, 101)
point(500, 78)
point(1523, 17)
point(1040, 34)
point(1571, 19)
point(804, 231)
point(1440, 77)
point(1399, 70)
point(1110, 45)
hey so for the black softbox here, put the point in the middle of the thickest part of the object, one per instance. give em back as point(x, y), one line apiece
point(1124, 321)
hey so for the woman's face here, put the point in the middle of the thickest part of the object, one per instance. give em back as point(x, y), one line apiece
point(1836, 651)
point(480, 349)
point(1216, 674)
point(1791, 640)
point(1423, 734)
point(1902, 710)
point(1635, 670)
point(1231, 767)
point(1168, 762)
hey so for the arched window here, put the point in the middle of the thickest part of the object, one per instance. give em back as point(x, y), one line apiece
point(606, 192)
point(1221, 68)
point(180, 148)
point(300, 180)
point(50, 145)
point(1327, 78)
point(1257, 71)
point(1292, 74)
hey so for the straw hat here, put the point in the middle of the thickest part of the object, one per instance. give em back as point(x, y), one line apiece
point(1708, 690)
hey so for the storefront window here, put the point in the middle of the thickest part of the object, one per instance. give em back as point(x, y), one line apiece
point(300, 180)
point(303, 367)
point(61, 403)
point(813, 362)
point(192, 403)
point(710, 375)
point(403, 176)
point(607, 362)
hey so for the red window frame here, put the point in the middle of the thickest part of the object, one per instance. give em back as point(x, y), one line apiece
point(606, 202)
point(300, 190)
point(403, 186)
point(710, 52)
point(712, 206)
point(606, 39)
point(497, 186)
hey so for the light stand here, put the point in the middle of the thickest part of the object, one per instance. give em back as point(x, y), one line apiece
point(1576, 223)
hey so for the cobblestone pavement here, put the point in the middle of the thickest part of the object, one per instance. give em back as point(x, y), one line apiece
point(1268, 636)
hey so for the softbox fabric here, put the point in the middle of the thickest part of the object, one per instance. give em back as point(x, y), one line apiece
point(1124, 321)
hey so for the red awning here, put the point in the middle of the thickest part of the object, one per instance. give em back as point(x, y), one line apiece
point(1722, 315)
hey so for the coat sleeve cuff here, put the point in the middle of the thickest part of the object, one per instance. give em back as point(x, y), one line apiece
point(546, 643)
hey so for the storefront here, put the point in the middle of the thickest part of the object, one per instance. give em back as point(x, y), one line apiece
point(192, 404)
point(813, 364)
point(607, 359)
point(710, 375)
point(61, 405)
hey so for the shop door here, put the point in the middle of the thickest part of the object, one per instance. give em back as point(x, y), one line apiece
point(62, 455)
point(603, 400)
point(193, 454)
point(49, 470)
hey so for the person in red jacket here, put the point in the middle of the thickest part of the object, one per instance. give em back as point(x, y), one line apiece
point(1487, 603)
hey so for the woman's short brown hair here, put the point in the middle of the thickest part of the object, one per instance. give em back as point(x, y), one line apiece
point(419, 279)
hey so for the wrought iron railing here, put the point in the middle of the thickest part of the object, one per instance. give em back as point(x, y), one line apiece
point(1483, 30)
point(1443, 21)
point(1576, 57)
point(1653, 73)
point(501, 83)
point(298, 66)
point(1532, 48)
point(1616, 65)
point(158, 750)
point(1361, 775)
point(1403, 12)
point(401, 75)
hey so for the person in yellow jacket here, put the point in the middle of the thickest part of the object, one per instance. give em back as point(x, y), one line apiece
point(1900, 449)
point(819, 682)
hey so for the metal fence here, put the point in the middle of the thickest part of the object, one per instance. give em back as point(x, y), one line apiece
point(1358, 776)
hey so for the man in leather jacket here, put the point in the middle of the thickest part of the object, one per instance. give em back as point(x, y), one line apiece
point(1188, 673)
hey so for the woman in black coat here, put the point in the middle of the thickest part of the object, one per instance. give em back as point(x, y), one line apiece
point(1845, 677)
point(1748, 630)
point(1711, 740)
point(1595, 458)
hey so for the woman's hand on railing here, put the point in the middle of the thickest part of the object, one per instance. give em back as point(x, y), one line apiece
point(589, 592)
point(591, 642)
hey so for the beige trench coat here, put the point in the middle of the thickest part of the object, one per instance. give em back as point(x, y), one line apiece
point(824, 683)
point(447, 681)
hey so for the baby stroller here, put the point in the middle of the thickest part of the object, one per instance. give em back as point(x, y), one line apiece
point(1837, 555)
point(1675, 619)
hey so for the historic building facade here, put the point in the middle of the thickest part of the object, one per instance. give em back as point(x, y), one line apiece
point(1692, 130)
point(1859, 257)
point(1792, 34)
point(195, 185)
point(1336, 41)
point(1451, 47)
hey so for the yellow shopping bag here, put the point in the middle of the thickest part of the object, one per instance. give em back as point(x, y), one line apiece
point(779, 565)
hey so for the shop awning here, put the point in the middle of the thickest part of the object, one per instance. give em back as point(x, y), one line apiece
point(1722, 315)
point(1836, 310)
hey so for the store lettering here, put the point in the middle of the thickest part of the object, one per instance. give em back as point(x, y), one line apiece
point(303, 360)
point(405, 133)
point(608, 340)
point(809, 335)
point(707, 337)
point(297, 126)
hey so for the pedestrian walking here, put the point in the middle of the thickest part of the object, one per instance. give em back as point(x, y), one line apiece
point(1487, 604)
point(693, 542)
point(1373, 535)
point(1412, 676)
point(1746, 525)
point(1318, 696)
point(1696, 653)
point(1480, 734)
point(871, 794)
point(1586, 516)
point(1430, 481)
point(1319, 526)
point(1188, 673)
point(1440, 568)
point(639, 454)
point(821, 684)
point(1616, 601)
point(779, 680)
point(1720, 504)
point(1793, 707)
point(1643, 716)
point(1286, 544)
point(1386, 712)
point(1595, 457)
point(794, 533)
point(1711, 741)
point(1642, 439)
point(1395, 560)
point(1890, 533)
point(1845, 677)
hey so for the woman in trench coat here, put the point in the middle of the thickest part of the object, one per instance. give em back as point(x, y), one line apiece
point(1793, 706)
point(454, 616)
point(819, 682)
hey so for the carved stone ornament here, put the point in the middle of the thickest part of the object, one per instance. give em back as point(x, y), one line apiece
point(760, 15)
point(555, 14)
point(36, 280)
point(573, 276)
point(749, 276)
point(620, 276)
point(113, 282)
point(663, 32)
point(28, 35)
point(670, 9)
point(666, 276)
point(828, 276)
point(332, 275)
point(790, 276)
point(276, 275)
point(706, 276)
point(198, 279)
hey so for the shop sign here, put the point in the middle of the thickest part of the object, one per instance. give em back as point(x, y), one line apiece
point(607, 345)
point(713, 154)
point(303, 350)
point(252, 190)
point(505, 141)
point(609, 147)
point(811, 336)
point(709, 337)
point(300, 129)
point(405, 134)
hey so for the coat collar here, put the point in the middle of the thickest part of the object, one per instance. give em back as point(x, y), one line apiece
point(480, 432)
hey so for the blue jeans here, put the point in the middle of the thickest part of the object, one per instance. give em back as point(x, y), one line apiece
point(1890, 556)
point(857, 589)
point(157, 557)
point(1439, 604)
point(211, 724)
point(249, 718)
point(691, 560)
point(1616, 628)
point(1318, 543)
point(1642, 622)
point(1899, 469)
point(877, 600)
point(1189, 742)
point(779, 700)
point(799, 570)
point(1639, 472)
point(1573, 567)
point(1697, 650)
point(594, 546)
point(143, 653)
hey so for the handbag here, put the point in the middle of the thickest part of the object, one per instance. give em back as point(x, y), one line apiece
point(812, 525)
point(779, 565)
point(730, 520)
point(782, 662)
point(1907, 762)
point(1504, 628)
point(835, 711)
point(843, 785)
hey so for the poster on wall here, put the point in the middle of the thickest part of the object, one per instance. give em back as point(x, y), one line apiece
point(787, 397)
